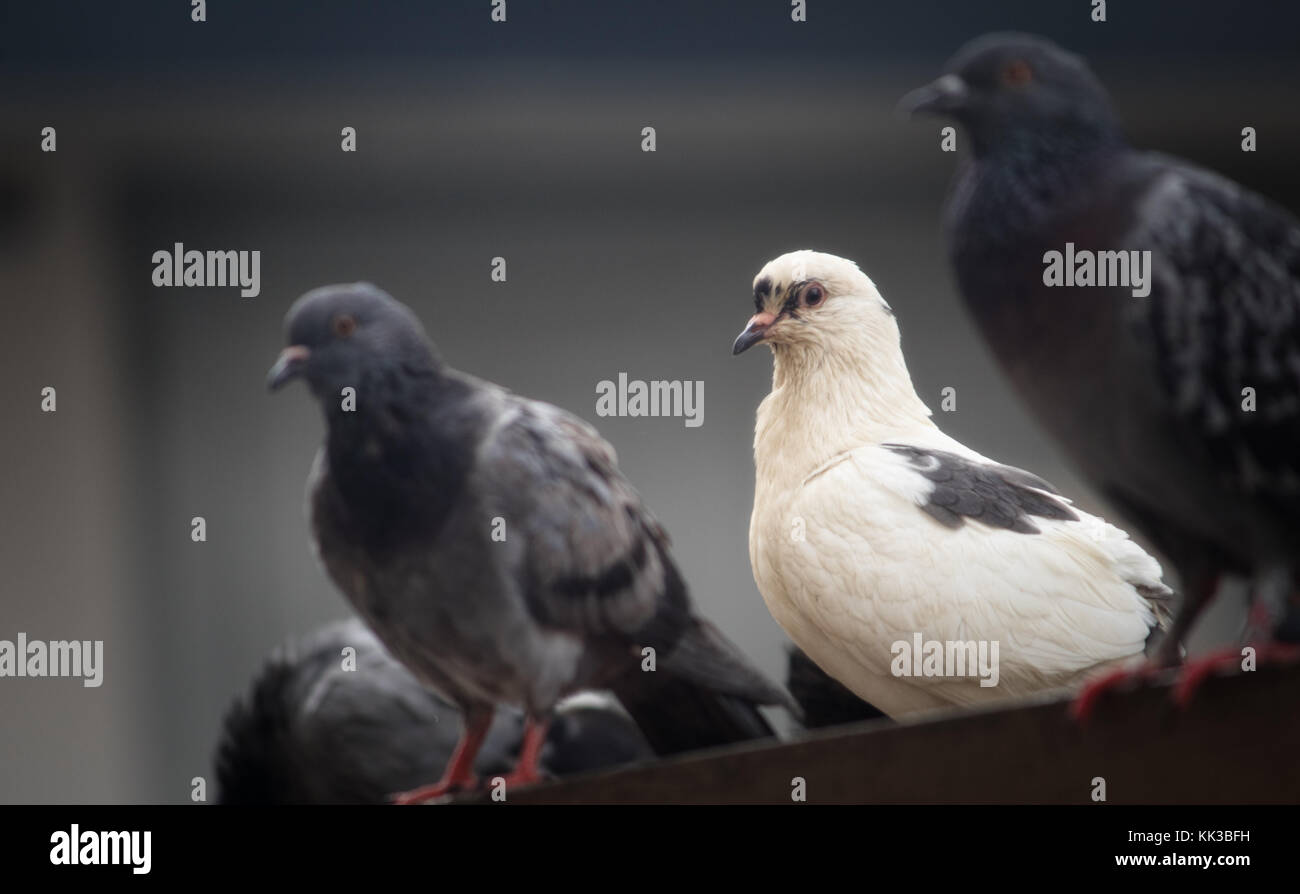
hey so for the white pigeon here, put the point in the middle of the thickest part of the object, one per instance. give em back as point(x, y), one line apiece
point(874, 533)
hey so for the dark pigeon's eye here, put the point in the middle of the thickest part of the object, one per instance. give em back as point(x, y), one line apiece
point(812, 295)
point(344, 325)
point(1017, 73)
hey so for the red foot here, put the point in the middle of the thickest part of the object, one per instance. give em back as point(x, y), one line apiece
point(426, 793)
point(460, 769)
point(1225, 661)
point(1086, 701)
point(526, 771)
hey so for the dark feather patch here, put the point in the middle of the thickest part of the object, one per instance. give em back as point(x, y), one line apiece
point(999, 496)
point(613, 579)
point(1224, 315)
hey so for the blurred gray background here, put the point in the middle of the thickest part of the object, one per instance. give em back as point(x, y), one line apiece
point(474, 140)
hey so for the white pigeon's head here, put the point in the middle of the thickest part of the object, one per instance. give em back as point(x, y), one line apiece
point(811, 301)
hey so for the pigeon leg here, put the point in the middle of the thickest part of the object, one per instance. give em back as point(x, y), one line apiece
point(1086, 701)
point(1196, 672)
point(1267, 631)
point(526, 771)
point(1198, 596)
point(460, 769)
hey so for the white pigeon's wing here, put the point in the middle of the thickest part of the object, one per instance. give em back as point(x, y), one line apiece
point(898, 541)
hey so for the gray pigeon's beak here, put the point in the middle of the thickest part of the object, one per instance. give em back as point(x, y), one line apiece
point(289, 366)
point(755, 331)
point(943, 96)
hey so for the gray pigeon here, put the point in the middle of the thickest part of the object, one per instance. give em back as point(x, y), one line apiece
point(312, 731)
point(1182, 406)
point(494, 547)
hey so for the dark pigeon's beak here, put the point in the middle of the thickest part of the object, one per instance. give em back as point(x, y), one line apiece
point(754, 332)
point(289, 366)
point(941, 97)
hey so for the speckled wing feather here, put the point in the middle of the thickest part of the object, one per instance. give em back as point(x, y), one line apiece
point(1224, 315)
point(593, 560)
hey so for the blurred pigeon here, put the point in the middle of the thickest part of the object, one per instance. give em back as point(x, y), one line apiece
point(494, 547)
point(825, 700)
point(312, 732)
point(1182, 406)
point(912, 569)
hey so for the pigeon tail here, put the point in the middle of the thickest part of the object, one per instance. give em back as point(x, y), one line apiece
point(703, 694)
point(704, 656)
point(254, 737)
point(677, 715)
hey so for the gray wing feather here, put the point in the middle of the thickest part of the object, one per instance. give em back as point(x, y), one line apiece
point(1223, 316)
point(594, 560)
point(996, 495)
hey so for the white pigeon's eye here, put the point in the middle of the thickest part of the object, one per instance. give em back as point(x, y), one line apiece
point(812, 295)
point(344, 325)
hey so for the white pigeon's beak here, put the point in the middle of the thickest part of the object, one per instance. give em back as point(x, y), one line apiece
point(755, 331)
point(289, 366)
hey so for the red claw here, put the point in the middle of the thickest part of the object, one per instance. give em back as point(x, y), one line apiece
point(460, 769)
point(1227, 660)
point(1085, 702)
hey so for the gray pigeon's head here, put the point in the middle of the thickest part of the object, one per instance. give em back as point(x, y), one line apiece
point(338, 334)
point(1012, 90)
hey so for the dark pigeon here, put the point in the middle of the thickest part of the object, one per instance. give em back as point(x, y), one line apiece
point(494, 547)
point(311, 732)
point(825, 700)
point(1146, 394)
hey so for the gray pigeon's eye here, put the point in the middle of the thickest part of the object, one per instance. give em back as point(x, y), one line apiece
point(812, 295)
point(1016, 73)
point(344, 325)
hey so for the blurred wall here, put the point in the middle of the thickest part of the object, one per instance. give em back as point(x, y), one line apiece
point(474, 141)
